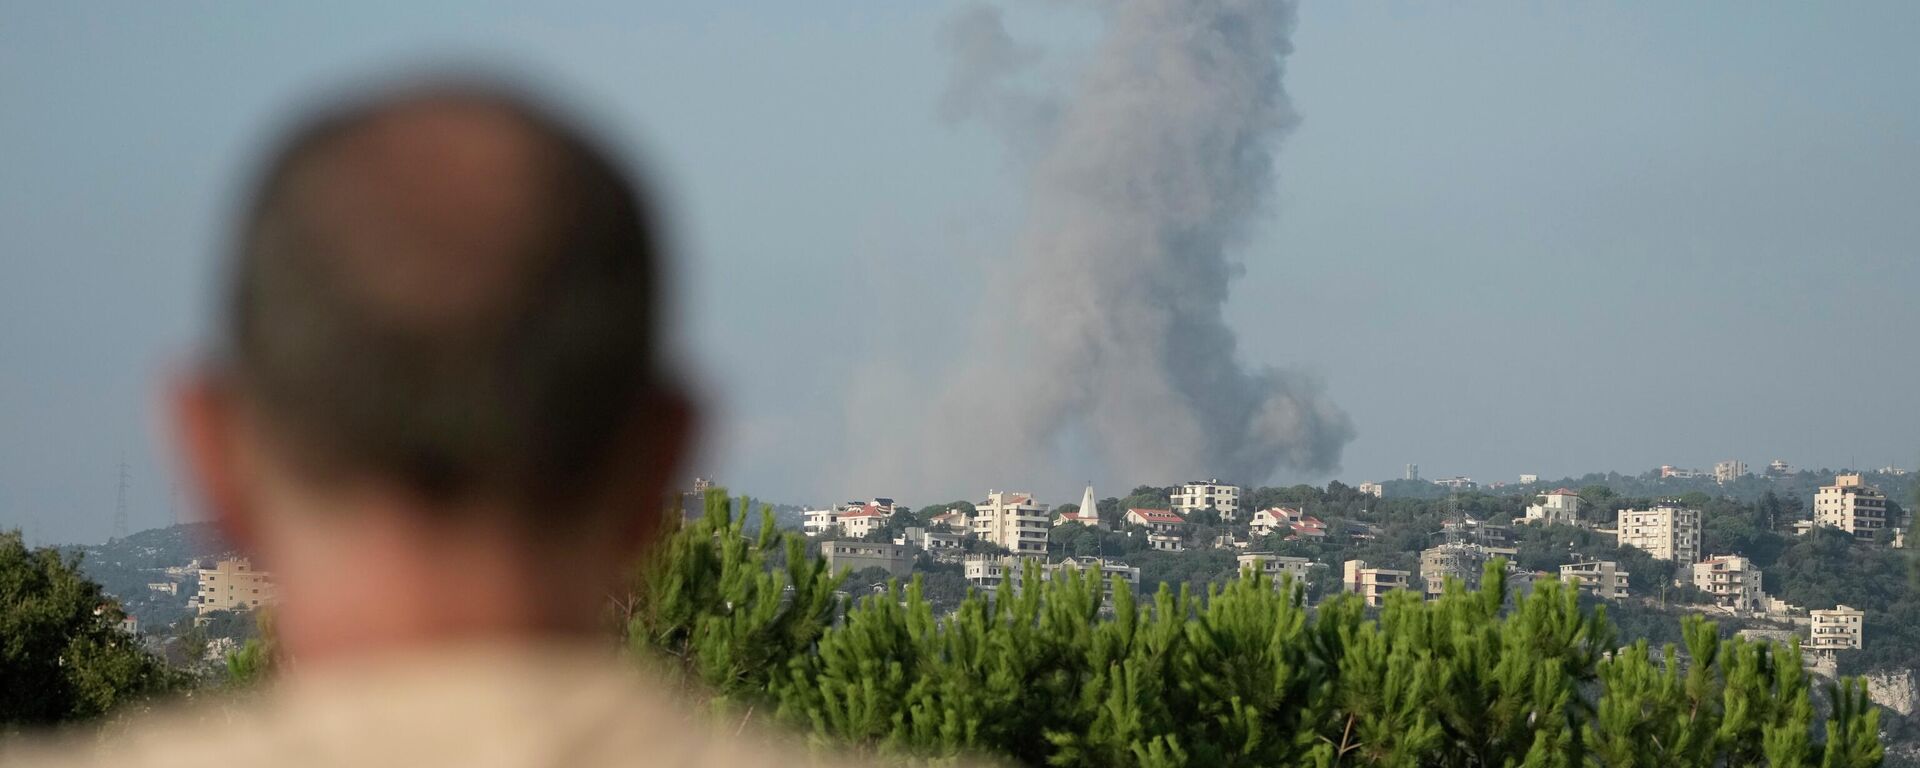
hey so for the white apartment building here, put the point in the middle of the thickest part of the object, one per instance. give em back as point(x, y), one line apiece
point(1371, 584)
point(1601, 577)
point(1529, 479)
point(987, 571)
point(1854, 507)
point(1732, 580)
point(1375, 490)
point(1729, 471)
point(1560, 506)
point(233, 585)
point(1013, 520)
point(1666, 532)
point(1199, 495)
point(1274, 566)
point(1107, 569)
point(820, 522)
point(1839, 629)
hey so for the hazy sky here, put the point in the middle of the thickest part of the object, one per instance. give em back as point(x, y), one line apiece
point(1511, 238)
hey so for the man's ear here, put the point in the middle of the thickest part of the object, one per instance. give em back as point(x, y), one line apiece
point(652, 452)
point(206, 435)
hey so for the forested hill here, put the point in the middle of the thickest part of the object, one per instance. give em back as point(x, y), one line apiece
point(124, 567)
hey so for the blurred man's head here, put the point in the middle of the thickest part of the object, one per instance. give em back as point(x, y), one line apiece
point(443, 323)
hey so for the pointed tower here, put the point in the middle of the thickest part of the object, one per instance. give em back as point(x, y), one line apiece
point(1091, 508)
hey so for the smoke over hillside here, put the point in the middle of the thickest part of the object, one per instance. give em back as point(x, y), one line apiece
point(1144, 176)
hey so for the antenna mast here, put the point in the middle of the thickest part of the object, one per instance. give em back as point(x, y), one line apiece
point(120, 510)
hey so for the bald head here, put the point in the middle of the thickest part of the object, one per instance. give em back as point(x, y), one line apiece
point(451, 289)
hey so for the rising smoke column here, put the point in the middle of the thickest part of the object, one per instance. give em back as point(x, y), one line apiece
point(1142, 179)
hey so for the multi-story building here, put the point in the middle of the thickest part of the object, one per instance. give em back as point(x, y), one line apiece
point(1779, 468)
point(1275, 566)
point(1529, 479)
point(1203, 494)
point(952, 520)
point(1729, 471)
point(1601, 577)
point(1732, 580)
point(1839, 629)
point(1164, 528)
point(987, 571)
point(857, 556)
point(1667, 532)
point(1371, 584)
point(1013, 520)
point(1854, 507)
point(1268, 521)
point(1107, 570)
point(934, 540)
point(830, 521)
point(1457, 560)
point(1560, 506)
point(1375, 490)
point(1680, 473)
point(858, 521)
point(1458, 483)
point(233, 585)
point(821, 522)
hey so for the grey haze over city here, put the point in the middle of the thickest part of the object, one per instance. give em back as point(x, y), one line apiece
point(1555, 241)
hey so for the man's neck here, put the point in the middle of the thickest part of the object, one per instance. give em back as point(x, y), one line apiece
point(372, 584)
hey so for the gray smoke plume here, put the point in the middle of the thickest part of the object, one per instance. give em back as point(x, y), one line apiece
point(1109, 328)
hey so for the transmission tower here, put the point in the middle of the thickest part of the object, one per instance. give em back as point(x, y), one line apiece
point(120, 511)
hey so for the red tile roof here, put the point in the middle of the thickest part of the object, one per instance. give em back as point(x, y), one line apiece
point(1562, 492)
point(864, 510)
point(1164, 516)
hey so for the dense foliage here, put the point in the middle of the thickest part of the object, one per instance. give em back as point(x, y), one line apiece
point(63, 655)
point(1055, 674)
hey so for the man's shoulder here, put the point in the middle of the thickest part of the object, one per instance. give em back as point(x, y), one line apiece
point(515, 708)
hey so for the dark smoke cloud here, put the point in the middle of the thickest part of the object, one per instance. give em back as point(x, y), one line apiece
point(1147, 175)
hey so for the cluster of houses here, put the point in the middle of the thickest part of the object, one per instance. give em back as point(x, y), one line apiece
point(1019, 525)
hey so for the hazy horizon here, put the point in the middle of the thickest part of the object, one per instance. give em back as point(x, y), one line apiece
point(1554, 240)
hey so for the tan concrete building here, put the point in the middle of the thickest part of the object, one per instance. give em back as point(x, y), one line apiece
point(1601, 577)
point(1371, 584)
point(856, 556)
point(1854, 507)
point(1838, 629)
point(1454, 559)
point(1013, 520)
point(1666, 532)
point(233, 585)
point(1733, 581)
point(1275, 566)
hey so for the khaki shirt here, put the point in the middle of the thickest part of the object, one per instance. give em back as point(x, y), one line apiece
point(506, 706)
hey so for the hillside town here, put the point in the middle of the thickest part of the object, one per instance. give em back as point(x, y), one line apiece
point(1331, 541)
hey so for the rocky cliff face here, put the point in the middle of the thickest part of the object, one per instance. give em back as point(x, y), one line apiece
point(1893, 690)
